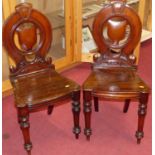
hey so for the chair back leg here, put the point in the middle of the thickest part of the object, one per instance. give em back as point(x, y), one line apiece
point(96, 106)
point(50, 109)
point(126, 105)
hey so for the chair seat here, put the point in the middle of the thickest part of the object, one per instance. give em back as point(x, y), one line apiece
point(115, 83)
point(42, 87)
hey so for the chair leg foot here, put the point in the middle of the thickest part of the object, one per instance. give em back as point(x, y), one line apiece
point(142, 109)
point(138, 141)
point(76, 131)
point(28, 148)
point(88, 138)
point(23, 119)
point(76, 113)
point(126, 105)
point(87, 113)
point(87, 133)
point(77, 136)
point(139, 135)
point(29, 153)
point(96, 105)
point(50, 109)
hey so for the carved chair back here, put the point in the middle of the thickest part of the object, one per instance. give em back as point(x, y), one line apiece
point(117, 31)
point(27, 37)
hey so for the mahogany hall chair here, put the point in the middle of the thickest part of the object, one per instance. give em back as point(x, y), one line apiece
point(116, 30)
point(27, 36)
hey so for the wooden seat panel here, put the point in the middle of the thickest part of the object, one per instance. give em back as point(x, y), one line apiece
point(115, 83)
point(30, 89)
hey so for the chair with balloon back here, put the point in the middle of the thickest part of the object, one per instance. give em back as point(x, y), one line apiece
point(117, 31)
point(27, 36)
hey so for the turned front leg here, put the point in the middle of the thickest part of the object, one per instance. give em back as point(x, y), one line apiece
point(23, 118)
point(76, 112)
point(87, 113)
point(143, 100)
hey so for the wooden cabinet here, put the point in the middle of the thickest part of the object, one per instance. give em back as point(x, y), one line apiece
point(145, 11)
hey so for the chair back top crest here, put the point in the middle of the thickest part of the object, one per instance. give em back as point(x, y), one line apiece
point(27, 36)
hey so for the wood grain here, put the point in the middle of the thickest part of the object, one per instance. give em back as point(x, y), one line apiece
point(36, 84)
point(114, 73)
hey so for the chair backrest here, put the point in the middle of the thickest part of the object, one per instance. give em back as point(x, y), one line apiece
point(117, 31)
point(27, 37)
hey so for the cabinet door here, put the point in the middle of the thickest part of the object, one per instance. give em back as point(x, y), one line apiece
point(91, 7)
point(145, 12)
point(59, 14)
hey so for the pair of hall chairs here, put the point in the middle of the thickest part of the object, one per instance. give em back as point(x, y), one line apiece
point(36, 84)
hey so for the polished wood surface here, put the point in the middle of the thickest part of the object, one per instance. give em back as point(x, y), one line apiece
point(114, 73)
point(36, 84)
point(117, 14)
point(114, 83)
point(29, 89)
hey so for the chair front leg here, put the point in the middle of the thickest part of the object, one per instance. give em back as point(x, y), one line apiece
point(23, 119)
point(141, 115)
point(87, 97)
point(76, 113)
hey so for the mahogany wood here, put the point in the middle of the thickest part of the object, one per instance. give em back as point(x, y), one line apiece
point(36, 84)
point(114, 73)
point(50, 109)
point(126, 105)
point(96, 104)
